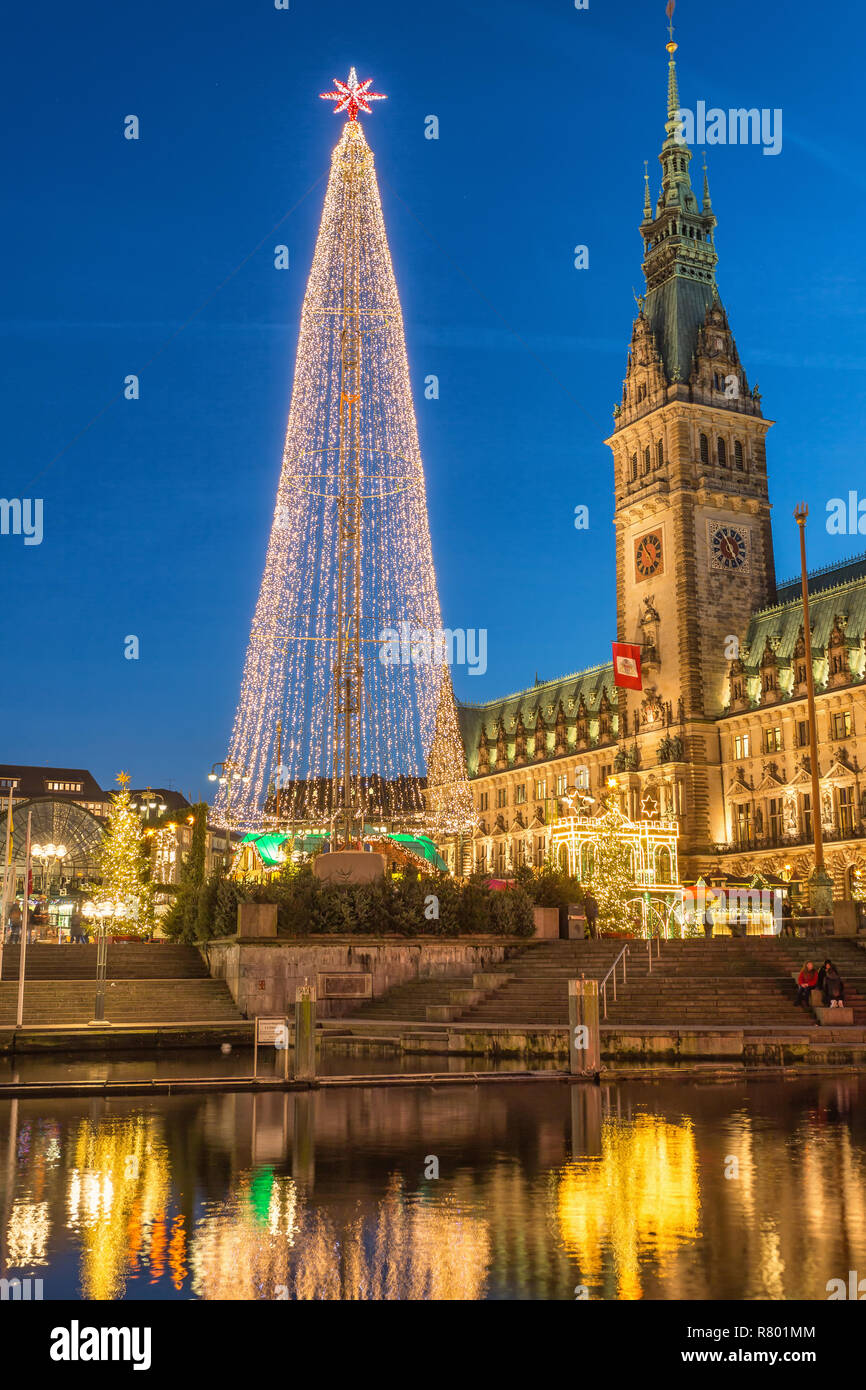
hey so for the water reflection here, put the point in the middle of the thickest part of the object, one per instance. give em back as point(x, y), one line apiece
point(641, 1191)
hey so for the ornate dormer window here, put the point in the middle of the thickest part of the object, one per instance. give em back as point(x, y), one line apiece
point(769, 674)
point(501, 747)
point(520, 740)
point(560, 733)
point(837, 652)
point(483, 751)
point(604, 717)
point(540, 737)
point(582, 723)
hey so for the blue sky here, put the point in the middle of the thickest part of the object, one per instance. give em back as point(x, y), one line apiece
point(156, 511)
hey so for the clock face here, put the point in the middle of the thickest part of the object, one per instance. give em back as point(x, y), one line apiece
point(729, 548)
point(648, 555)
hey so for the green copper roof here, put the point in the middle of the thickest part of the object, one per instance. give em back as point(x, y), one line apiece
point(829, 577)
point(782, 622)
point(676, 311)
point(545, 696)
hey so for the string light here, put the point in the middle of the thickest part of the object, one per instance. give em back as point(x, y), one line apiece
point(349, 557)
point(125, 865)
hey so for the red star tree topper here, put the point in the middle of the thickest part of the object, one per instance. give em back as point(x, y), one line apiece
point(352, 96)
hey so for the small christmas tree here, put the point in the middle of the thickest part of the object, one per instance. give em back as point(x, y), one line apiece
point(125, 863)
point(611, 876)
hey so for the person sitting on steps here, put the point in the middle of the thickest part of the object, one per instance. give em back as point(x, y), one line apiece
point(807, 980)
point(834, 989)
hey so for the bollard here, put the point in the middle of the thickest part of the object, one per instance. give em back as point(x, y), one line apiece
point(305, 1033)
point(586, 1122)
point(584, 1048)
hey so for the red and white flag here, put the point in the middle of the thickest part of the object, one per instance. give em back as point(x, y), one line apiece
point(626, 666)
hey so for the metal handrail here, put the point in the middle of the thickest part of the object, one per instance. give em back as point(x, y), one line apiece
point(603, 985)
point(649, 942)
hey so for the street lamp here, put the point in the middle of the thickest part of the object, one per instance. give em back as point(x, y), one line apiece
point(48, 855)
point(225, 773)
point(101, 912)
point(149, 803)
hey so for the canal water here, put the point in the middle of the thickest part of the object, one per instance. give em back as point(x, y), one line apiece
point(502, 1190)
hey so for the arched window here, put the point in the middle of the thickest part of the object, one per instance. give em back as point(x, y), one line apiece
point(660, 454)
point(723, 453)
point(738, 455)
point(705, 449)
point(664, 870)
point(633, 467)
point(647, 461)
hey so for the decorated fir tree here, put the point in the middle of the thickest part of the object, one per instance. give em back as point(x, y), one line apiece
point(125, 864)
point(611, 876)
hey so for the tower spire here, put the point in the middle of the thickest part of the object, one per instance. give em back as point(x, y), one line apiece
point(673, 90)
point(707, 206)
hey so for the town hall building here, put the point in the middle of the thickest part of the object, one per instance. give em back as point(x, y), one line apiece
point(718, 737)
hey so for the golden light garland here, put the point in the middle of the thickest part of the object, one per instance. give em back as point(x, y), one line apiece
point(351, 452)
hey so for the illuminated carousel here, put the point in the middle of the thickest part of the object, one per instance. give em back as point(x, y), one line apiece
point(644, 851)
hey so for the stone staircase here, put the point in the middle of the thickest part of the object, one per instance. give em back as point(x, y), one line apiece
point(127, 960)
point(146, 983)
point(722, 983)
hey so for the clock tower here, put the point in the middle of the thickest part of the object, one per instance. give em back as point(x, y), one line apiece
point(692, 513)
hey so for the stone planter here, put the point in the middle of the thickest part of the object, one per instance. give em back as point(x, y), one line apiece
point(546, 922)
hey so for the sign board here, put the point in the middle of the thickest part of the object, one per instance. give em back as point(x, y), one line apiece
point(347, 984)
point(271, 1032)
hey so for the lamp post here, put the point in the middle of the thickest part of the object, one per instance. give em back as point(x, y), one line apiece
point(820, 882)
point(47, 855)
point(101, 912)
point(224, 773)
point(149, 804)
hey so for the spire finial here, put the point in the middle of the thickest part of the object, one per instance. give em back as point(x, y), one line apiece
point(707, 204)
point(673, 92)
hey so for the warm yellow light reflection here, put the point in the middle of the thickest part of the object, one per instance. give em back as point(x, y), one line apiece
point(641, 1198)
point(409, 1249)
point(117, 1196)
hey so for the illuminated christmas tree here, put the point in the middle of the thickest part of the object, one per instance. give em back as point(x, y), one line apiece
point(346, 711)
point(611, 870)
point(125, 864)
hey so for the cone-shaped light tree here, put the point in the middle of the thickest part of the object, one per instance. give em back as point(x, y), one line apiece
point(346, 653)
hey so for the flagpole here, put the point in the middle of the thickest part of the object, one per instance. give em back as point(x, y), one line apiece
point(24, 925)
point(7, 875)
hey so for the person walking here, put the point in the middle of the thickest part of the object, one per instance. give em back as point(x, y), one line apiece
point(590, 907)
point(709, 924)
point(14, 924)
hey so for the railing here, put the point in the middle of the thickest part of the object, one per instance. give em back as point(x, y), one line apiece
point(603, 986)
point(649, 942)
